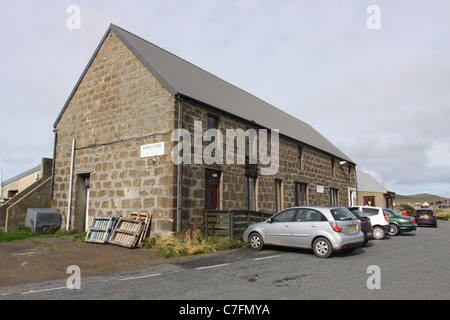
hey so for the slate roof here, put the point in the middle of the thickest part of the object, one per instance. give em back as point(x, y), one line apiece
point(366, 182)
point(185, 80)
point(22, 175)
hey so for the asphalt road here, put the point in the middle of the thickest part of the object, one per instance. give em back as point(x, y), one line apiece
point(409, 266)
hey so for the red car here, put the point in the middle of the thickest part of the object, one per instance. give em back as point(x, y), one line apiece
point(426, 217)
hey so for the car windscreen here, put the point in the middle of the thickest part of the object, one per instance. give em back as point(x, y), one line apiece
point(340, 214)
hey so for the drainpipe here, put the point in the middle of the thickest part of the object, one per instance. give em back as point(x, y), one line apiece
point(70, 185)
point(179, 169)
point(356, 182)
point(53, 164)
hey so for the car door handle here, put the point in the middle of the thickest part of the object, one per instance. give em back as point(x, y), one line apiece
point(314, 225)
point(287, 226)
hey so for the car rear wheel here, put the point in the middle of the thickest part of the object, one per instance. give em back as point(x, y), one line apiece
point(394, 230)
point(255, 241)
point(378, 233)
point(322, 248)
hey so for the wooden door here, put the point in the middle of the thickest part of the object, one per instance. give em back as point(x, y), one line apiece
point(212, 190)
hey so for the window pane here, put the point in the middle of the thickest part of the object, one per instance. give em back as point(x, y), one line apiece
point(334, 197)
point(342, 214)
point(284, 216)
point(250, 193)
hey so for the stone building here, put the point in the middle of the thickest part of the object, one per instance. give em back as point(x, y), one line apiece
point(372, 193)
point(133, 136)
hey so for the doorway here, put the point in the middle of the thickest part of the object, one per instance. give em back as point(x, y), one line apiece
point(212, 190)
point(81, 218)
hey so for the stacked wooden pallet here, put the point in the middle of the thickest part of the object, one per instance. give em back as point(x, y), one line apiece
point(100, 229)
point(127, 232)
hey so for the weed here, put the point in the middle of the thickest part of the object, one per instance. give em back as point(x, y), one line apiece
point(187, 243)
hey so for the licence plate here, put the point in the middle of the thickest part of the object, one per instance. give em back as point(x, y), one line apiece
point(352, 228)
point(424, 217)
point(369, 234)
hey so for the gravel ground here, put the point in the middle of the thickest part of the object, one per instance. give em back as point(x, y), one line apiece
point(40, 259)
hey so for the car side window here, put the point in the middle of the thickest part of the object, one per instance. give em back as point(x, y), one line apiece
point(370, 212)
point(387, 213)
point(284, 216)
point(310, 215)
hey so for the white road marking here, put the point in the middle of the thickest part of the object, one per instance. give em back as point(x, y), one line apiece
point(268, 257)
point(44, 290)
point(141, 277)
point(213, 266)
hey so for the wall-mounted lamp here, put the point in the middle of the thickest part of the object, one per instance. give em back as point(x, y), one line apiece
point(343, 162)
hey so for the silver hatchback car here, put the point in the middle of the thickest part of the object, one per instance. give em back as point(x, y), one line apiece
point(322, 229)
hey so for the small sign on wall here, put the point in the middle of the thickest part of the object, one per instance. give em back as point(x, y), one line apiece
point(320, 189)
point(152, 149)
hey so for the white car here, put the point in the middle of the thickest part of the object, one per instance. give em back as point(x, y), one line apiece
point(380, 222)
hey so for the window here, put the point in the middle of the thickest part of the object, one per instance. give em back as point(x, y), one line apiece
point(310, 215)
point(300, 157)
point(212, 124)
point(369, 201)
point(12, 193)
point(278, 195)
point(300, 194)
point(251, 145)
point(250, 194)
point(370, 212)
point(342, 214)
point(334, 197)
point(284, 216)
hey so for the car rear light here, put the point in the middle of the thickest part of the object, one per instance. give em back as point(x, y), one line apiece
point(385, 218)
point(415, 214)
point(361, 223)
point(434, 214)
point(336, 227)
point(412, 220)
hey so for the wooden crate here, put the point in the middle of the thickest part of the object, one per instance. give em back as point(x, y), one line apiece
point(100, 230)
point(145, 218)
point(126, 232)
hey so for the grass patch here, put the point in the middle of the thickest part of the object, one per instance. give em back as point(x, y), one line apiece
point(188, 243)
point(444, 213)
point(26, 233)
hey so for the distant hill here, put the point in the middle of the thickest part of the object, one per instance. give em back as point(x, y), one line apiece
point(418, 198)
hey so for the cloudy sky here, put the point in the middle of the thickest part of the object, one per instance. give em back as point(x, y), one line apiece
point(374, 80)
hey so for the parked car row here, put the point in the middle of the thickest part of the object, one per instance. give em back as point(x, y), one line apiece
point(325, 229)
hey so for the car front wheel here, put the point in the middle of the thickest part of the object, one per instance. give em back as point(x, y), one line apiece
point(322, 248)
point(255, 241)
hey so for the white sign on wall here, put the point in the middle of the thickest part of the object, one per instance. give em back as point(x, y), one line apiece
point(320, 189)
point(152, 149)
